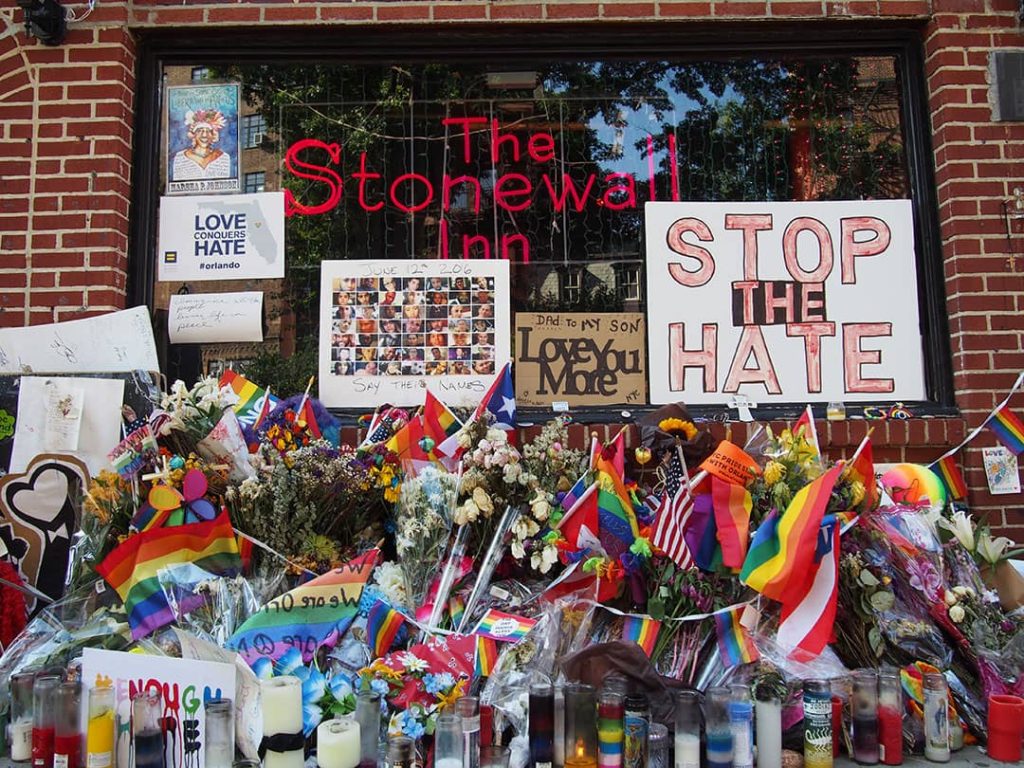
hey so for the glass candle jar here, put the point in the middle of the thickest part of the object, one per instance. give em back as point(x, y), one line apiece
point(580, 726)
point(741, 723)
point(559, 743)
point(890, 717)
point(610, 711)
point(147, 734)
point(636, 724)
point(768, 729)
point(657, 746)
point(448, 742)
point(468, 708)
point(368, 717)
point(817, 724)
point(21, 716)
point(864, 706)
point(67, 742)
point(936, 718)
point(719, 729)
point(542, 724)
point(687, 736)
point(219, 736)
point(99, 734)
point(401, 752)
point(44, 719)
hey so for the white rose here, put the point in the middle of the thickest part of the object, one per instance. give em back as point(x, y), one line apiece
point(483, 501)
point(950, 598)
point(497, 436)
point(957, 614)
point(544, 559)
point(961, 591)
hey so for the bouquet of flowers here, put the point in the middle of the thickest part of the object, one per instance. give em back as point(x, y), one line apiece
point(423, 524)
point(193, 413)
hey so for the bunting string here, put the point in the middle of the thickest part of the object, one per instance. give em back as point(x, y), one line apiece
point(977, 430)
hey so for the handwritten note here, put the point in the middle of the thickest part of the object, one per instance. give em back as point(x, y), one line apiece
point(202, 317)
point(111, 343)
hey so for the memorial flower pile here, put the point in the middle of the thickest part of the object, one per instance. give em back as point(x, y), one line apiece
point(437, 559)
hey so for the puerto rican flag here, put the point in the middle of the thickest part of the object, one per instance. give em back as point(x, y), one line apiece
point(500, 401)
point(808, 620)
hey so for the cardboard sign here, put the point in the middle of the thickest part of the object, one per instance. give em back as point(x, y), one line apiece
point(783, 302)
point(231, 237)
point(580, 358)
point(184, 684)
point(390, 329)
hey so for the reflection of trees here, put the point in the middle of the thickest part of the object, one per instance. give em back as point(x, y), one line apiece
point(746, 130)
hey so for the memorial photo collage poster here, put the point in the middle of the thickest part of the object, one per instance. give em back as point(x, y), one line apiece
point(391, 328)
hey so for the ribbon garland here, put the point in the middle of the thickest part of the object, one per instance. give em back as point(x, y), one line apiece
point(977, 430)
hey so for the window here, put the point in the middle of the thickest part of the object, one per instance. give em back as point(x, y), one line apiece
point(255, 182)
point(254, 127)
point(551, 165)
point(200, 73)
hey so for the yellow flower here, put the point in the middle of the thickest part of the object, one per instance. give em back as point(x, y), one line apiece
point(448, 700)
point(856, 492)
point(678, 427)
point(774, 471)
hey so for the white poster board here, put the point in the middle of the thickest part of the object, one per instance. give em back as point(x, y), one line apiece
point(185, 684)
point(210, 317)
point(110, 343)
point(221, 237)
point(783, 302)
point(62, 414)
point(390, 329)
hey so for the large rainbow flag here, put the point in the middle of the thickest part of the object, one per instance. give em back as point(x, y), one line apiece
point(784, 546)
point(309, 616)
point(133, 568)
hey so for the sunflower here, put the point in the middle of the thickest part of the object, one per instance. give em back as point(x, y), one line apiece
point(679, 428)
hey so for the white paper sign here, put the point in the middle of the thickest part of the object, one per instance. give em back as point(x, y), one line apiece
point(221, 237)
point(98, 423)
point(1001, 470)
point(197, 317)
point(185, 684)
point(783, 302)
point(390, 329)
point(111, 343)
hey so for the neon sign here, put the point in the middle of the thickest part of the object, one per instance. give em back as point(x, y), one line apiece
point(513, 192)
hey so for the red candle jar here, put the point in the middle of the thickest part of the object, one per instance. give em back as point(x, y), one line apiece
point(890, 718)
point(1005, 728)
point(837, 724)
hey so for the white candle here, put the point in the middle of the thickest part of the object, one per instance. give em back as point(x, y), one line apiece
point(337, 744)
point(687, 750)
point(281, 704)
point(21, 739)
point(769, 733)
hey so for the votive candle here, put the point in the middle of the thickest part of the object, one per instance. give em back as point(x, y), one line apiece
point(219, 735)
point(281, 704)
point(21, 716)
point(580, 727)
point(542, 724)
point(890, 718)
point(610, 710)
point(99, 735)
point(67, 743)
point(337, 744)
point(864, 707)
point(44, 720)
point(687, 737)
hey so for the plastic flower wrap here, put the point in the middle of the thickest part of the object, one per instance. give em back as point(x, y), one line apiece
point(196, 411)
point(423, 525)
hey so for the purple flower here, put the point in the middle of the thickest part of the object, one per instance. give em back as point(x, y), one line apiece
point(923, 577)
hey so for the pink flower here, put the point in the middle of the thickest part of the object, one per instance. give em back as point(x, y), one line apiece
point(924, 578)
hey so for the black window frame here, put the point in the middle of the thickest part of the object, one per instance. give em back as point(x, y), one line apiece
point(248, 133)
point(262, 185)
point(382, 44)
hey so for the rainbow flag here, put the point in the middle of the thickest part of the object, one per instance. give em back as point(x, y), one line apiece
point(952, 477)
point(486, 656)
point(382, 625)
point(732, 505)
point(1008, 427)
point(863, 468)
point(132, 568)
point(506, 627)
point(250, 397)
point(456, 607)
point(783, 547)
point(735, 644)
point(311, 615)
point(438, 421)
point(641, 630)
point(616, 523)
point(574, 494)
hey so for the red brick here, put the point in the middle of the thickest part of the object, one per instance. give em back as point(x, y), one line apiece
point(57, 298)
point(12, 280)
point(171, 16)
point(627, 10)
point(796, 8)
point(61, 260)
point(904, 8)
point(419, 12)
point(500, 10)
point(573, 11)
point(346, 12)
point(233, 15)
point(291, 13)
point(684, 9)
point(851, 8)
point(739, 8)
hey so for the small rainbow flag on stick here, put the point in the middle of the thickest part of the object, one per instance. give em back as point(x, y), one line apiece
point(1008, 427)
point(486, 656)
point(641, 630)
point(506, 627)
point(734, 641)
point(382, 625)
point(952, 477)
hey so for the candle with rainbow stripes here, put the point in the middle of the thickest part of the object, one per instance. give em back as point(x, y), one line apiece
point(610, 710)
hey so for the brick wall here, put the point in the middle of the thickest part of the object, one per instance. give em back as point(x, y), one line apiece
point(65, 166)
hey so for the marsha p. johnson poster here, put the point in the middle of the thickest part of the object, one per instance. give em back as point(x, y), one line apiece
point(783, 302)
point(389, 329)
point(201, 131)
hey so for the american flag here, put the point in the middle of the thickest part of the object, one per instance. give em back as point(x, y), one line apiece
point(673, 513)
